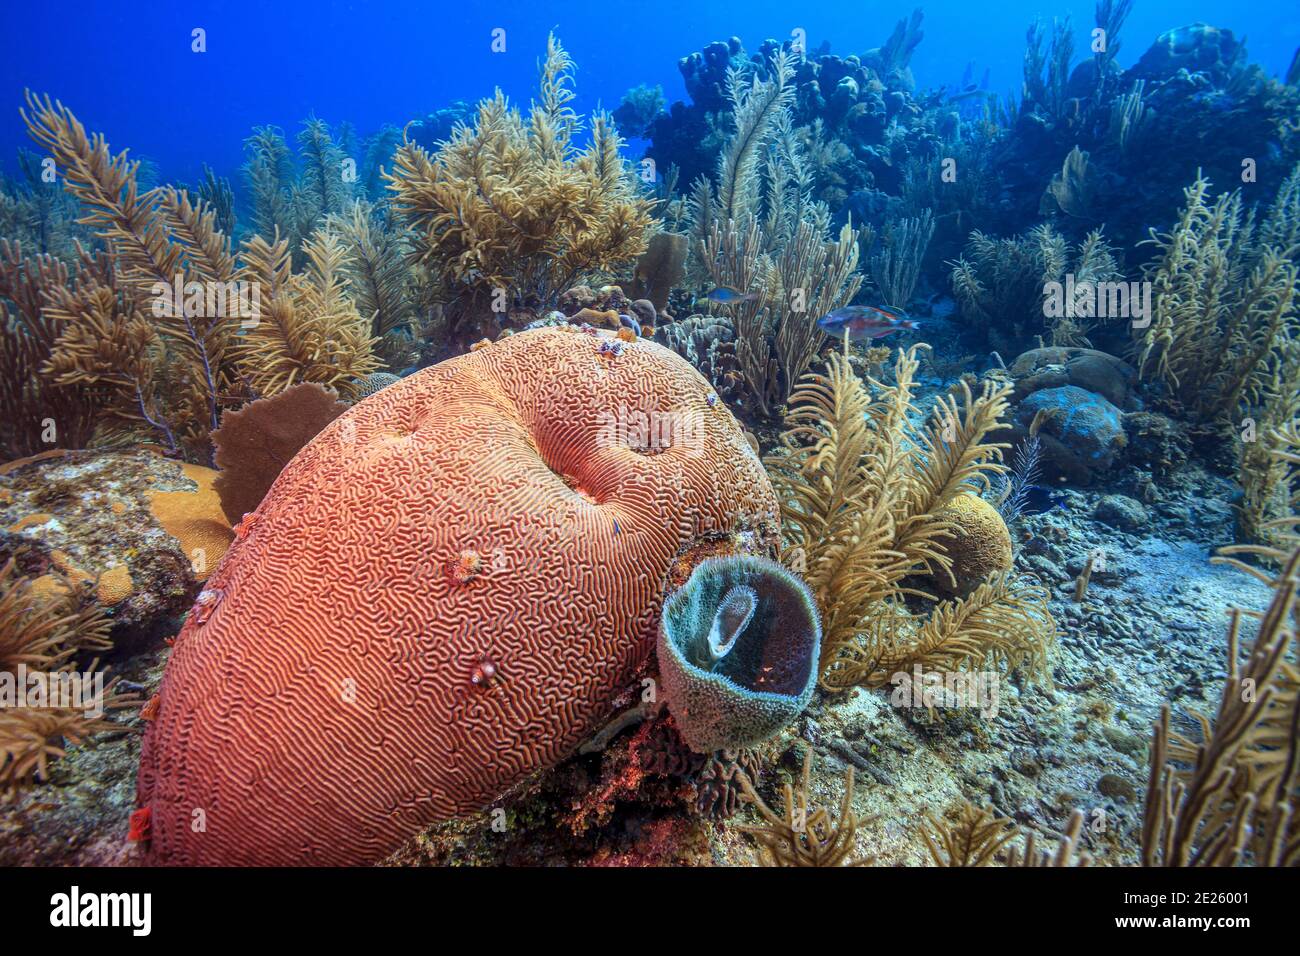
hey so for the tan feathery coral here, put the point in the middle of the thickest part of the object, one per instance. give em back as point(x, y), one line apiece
point(1268, 468)
point(977, 837)
point(509, 203)
point(377, 272)
point(379, 279)
point(863, 495)
point(169, 365)
point(973, 839)
point(897, 266)
point(1001, 284)
point(1230, 797)
point(1224, 304)
point(45, 633)
point(775, 246)
point(308, 331)
point(31, 399)
point(155, 239)
point(43, 630)
point(268, 173)
point(804, 835)
point(1003, 624)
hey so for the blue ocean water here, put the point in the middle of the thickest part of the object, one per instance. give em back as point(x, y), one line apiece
point(128, 68)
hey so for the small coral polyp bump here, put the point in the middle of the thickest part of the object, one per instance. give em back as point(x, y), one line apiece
point(245, 525)
point(140, 828)
point(205, 605)
point(150, 710)
point(484, 673)
point(465, 567)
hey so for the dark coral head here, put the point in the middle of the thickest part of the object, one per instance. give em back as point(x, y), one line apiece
point(738, 646)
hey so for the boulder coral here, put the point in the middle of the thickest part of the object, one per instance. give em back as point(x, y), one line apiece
point(338, 687)
point(977, 542)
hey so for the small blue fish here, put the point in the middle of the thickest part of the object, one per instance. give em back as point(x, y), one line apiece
point(857, 322)
point(1040, 500)
point(723, 295)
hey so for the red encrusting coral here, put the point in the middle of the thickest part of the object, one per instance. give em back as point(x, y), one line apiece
point(140, 829)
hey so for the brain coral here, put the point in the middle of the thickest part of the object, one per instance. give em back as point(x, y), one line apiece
point(440, 594)
point(980, 547)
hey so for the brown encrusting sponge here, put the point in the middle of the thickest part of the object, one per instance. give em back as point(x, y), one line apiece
point(321, 703)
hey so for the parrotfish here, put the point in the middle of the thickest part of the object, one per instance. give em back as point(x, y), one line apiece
point(723, 295)
point(864, 322)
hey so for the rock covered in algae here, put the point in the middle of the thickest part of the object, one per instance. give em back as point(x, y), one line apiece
point(737, 652)
point(1084, 435)
point(441, 594)
point(145, 529)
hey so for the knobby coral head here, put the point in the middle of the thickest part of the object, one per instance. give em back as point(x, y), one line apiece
point(737, 651)
point(442, 593)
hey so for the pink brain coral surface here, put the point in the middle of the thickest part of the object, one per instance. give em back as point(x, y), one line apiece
point(441, 594)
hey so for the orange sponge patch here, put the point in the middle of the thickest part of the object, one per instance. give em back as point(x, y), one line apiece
point(195, 519)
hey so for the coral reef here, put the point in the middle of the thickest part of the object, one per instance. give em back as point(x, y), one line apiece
point(1127, 141)
point(548, 528)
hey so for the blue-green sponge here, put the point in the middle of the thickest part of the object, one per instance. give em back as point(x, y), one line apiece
point(738, 646)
